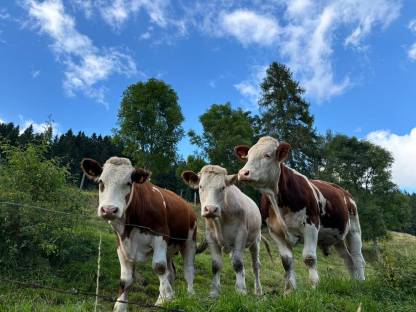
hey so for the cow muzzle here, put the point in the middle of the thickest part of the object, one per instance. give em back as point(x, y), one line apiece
point(210, 211)
point(108, 212)
point(245, 175)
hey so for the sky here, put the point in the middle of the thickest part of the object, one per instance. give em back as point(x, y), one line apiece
point(70, 60)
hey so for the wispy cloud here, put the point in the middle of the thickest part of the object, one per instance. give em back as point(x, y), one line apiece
point(35, 73)
point(85, 64)
point(403, 149)
point(412, 50)
point(117, 12)
point(250, 88)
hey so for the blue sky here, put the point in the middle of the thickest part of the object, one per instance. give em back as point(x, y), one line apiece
point(73, 59)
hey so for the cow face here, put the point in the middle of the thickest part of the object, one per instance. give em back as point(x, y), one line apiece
point(211, 182)
point(262, 168)
point(115, 180)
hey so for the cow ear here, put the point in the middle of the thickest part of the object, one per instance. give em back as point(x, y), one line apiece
point(241, 151)
point(91, 168)
point(282, 152)
point(190, 178)
point(231, 179)
point(140, 175)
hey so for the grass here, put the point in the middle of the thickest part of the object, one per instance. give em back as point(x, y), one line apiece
point(390, 284)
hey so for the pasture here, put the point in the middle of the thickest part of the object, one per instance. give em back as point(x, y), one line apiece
point(390, 272)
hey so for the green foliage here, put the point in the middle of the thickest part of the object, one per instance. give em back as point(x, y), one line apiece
point(285, 115)
point(149, 122)
point(31, 236)
point(223, 129)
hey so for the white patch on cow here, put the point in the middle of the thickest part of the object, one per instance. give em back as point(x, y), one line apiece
point(155, 189)
point(189, 259)
point(116, 179)
point(353, 202)
point(322, 200)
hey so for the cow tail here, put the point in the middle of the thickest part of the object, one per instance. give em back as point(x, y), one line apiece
point(267, 245)
point(201, 247)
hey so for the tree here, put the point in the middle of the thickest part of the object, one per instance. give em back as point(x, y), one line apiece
point(223, 129)
point(149, 122)
point(364, 169)
point(284, 114)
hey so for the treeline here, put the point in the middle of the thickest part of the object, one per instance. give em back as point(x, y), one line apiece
point(150, 127)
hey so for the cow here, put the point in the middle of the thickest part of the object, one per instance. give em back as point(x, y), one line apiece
point(232, 223)
point(148, 221)
point(297, 209)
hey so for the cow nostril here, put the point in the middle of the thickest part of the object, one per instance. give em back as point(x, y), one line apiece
point(246, 173)
point(115, 210)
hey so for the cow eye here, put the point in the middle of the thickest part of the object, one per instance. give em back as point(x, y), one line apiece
point(267, 155)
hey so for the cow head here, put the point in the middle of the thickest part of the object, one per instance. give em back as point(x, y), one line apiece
point(262, 168)
point(211, 182)
point(115, 180)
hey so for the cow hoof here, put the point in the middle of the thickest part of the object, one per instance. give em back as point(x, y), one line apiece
point(258, 292)
point(241, 291)
point(191, 292)
point(120, 307)
point(214, 294)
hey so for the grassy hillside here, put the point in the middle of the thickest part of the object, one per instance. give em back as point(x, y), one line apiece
point(390, 285)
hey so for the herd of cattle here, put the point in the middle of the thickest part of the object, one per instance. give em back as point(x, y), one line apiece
point(152, 221)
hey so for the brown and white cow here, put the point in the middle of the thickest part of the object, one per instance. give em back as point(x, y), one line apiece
point(298, 209)
point(232, 223)
point(147, 220)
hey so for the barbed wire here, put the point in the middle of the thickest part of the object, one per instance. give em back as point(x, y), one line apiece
point(77, 292)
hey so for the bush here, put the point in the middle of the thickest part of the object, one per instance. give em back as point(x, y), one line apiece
point(31, 236)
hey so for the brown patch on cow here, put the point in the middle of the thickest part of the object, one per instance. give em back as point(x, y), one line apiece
point(161, 211)
point(296, 194)
point(139, 175)
point(336, 210)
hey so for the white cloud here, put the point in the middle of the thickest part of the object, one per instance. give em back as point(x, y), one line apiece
point(250, 27)
point(412, 25)
point(250, 88)
point(403, 149)
point(117, 12)
point(85, 64)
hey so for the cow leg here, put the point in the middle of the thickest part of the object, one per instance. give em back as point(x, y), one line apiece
point(255, 261)
point(345, 254)
point(126, 280)
point(159, 265)
point(188, 254)
point(354, 245)
point(238, 261)
point(216, 256)
point(310, 243)
point(286, 254)
point(171, 269)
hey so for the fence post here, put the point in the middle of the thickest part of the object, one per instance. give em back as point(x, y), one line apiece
point(195, 198)
point(82, 181)
point(98, 275)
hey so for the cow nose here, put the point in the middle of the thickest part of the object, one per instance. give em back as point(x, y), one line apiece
point(244, 173)
point(109, 210)
point(210, 210)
